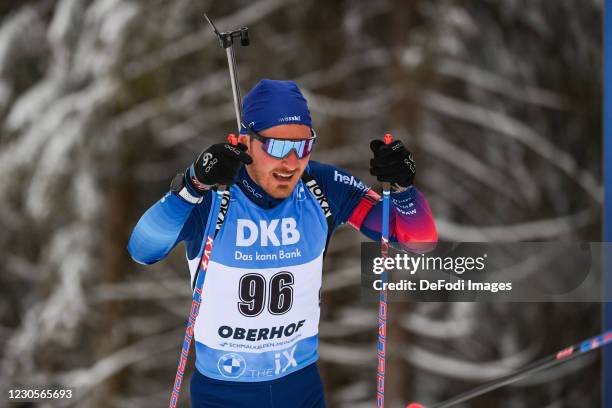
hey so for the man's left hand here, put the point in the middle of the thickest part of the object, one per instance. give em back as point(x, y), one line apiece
point(392, 163)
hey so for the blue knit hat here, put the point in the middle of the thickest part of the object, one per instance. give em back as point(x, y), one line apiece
point(271, 103)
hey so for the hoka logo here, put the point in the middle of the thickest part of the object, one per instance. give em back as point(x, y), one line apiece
point(222, 209)
point(248, 232)
point(320, 197)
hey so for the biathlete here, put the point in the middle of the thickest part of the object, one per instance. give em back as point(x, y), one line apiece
point(257, 331)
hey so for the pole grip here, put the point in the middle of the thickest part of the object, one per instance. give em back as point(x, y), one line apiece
point(232, 139)
point(388, 139)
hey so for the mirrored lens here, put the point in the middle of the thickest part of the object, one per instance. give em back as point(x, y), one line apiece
point(280, 148)
point(287, 146)
point(308, 145)
point(275, 148)
point(299, 149)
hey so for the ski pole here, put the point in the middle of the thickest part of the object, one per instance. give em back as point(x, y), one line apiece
point(219, 205)
point(382, 303)
point(218, 208)
point(226, 40)
point(559, 357)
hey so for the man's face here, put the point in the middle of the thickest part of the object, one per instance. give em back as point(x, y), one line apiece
point(277, 177)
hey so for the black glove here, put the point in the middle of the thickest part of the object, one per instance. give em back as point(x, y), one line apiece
point(216, 165)
point(392, 163)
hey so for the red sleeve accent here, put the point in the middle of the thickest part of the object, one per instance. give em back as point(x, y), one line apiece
point(363, 208)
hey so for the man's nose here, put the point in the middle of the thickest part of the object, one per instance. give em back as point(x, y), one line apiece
point(291, 160)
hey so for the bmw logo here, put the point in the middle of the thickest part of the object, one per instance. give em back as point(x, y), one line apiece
point(231, 365)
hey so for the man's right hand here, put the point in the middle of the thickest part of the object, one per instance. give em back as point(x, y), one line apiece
point(216, 165)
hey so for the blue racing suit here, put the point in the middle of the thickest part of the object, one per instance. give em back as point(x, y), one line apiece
point(259, 316)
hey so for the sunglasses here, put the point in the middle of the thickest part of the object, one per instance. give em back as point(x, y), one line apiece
point(281, 148)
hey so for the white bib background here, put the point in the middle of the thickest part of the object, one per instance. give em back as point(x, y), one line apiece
point(273, 251)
